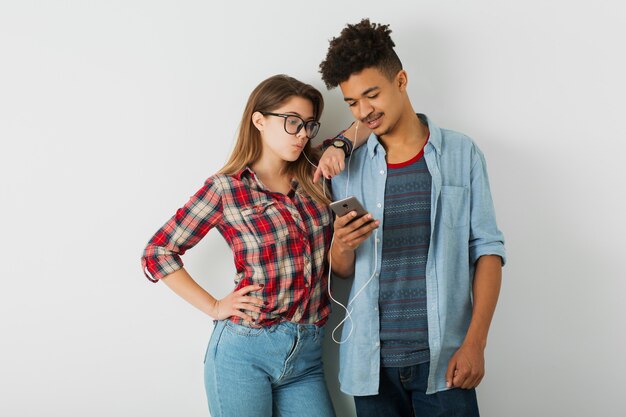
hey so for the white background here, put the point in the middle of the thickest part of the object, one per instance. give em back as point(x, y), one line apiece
point(112, 113)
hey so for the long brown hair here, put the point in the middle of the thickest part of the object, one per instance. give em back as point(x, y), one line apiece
point(266, 97)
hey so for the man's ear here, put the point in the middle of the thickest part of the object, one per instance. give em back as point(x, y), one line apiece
point(258, 121)
point(402, 79)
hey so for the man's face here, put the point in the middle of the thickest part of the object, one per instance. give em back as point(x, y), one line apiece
point(374, 99)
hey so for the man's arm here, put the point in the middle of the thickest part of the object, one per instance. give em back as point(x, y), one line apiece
point(332, 161)
point(357, 133)
point(349, 234)
point(466, 368)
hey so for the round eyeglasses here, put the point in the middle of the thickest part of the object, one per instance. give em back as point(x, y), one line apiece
point(294, 124)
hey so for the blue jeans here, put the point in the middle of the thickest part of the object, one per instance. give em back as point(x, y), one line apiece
point(402, 393)
point(271, 371)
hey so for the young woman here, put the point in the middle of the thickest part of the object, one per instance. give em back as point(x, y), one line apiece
point(264, 356)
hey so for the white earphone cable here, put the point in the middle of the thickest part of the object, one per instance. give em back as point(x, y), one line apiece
point(356, 133)
point(347, 308)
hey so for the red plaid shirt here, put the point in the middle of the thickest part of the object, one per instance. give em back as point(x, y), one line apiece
point(278, 240)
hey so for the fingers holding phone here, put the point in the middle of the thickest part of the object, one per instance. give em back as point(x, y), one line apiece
point(351, 230)
point(353, 223)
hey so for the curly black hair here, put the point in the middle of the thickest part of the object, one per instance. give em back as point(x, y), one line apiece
point(359, 46)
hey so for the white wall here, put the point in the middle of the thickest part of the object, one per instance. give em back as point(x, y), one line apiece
point(113, 112)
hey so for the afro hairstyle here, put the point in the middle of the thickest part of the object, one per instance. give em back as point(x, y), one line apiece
point(359, 46)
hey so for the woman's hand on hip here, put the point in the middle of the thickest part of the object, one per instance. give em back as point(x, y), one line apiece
point(237, 303)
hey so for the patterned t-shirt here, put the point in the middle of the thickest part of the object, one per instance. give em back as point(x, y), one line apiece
point(406, 231)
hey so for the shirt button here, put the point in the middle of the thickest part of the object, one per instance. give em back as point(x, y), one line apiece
point(377, 344)
point(375, 308)
point(382, 172)
point(379, 205)
point(377, 240)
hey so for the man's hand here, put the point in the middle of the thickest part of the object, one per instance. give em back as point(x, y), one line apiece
point(350, 233)
point(466, 367)
point(331, 163)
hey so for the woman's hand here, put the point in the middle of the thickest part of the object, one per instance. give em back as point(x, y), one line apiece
point(237, 303)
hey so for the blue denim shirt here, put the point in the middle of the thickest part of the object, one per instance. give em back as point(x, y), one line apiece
point(463, 228)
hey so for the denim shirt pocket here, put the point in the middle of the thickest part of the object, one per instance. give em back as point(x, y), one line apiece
point(454, 206)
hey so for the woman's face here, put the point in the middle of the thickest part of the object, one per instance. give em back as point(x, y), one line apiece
point(277, 142)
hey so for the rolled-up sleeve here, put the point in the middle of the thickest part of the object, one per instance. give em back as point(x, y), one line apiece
point(185, 229)
point(485, 237)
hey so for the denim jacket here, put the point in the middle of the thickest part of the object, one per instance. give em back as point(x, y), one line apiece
point(463, 228)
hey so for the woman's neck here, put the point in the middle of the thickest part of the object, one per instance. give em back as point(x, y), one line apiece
point(273, 175)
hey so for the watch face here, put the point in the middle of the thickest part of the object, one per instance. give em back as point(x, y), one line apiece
point(338, 144)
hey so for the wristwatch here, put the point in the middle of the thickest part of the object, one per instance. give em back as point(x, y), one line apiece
point(341, 142)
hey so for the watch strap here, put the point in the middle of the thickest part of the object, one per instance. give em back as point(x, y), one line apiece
point(347, 148)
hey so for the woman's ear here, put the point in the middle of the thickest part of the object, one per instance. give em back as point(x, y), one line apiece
point(258, 121)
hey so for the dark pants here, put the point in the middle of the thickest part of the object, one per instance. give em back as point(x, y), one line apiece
point(402, 394)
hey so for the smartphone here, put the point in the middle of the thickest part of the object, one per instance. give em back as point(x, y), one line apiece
point(345, 206)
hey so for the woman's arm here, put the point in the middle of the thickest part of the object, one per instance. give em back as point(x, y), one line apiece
point(161, 259)
point(234, 304)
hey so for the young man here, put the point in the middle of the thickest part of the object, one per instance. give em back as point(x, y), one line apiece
point(429, 276)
